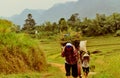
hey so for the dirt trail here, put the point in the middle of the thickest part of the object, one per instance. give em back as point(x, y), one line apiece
point(61, 66)
point(92, 73)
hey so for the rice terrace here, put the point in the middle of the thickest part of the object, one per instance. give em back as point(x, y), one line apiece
point(36, 50)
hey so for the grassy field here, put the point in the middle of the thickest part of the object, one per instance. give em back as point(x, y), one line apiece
point(106, 62)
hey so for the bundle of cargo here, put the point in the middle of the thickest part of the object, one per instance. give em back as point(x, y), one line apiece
point(74, 39)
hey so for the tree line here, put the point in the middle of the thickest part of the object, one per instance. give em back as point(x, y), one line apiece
point(100, 25)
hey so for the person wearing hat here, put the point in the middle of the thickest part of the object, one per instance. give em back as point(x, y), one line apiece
point(85, 64)
point(71, 59)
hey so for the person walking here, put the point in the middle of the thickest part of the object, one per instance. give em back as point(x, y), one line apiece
point(71, 59)
point(85, 64)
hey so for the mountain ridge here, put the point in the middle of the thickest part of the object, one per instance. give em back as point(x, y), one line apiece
point(85, 8)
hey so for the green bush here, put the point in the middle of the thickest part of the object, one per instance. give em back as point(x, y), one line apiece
point(5, 26)
point(117, 33)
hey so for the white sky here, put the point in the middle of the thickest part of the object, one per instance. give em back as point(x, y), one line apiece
point(11, 7)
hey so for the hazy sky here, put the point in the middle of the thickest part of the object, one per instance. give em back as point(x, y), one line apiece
point(11, 7)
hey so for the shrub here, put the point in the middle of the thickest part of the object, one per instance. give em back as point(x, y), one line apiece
point(117, 33)
point(5, 26)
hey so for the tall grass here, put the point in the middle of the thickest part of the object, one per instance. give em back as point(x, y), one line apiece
point(18, 52)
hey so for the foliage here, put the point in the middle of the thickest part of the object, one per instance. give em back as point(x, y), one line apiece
point(18, 52)
point(15, 28)
point(70, 36)
point(117, 33)
point(5, 26)
point(100, 25)
point(20, 55)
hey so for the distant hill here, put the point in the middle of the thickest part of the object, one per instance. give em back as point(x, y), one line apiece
point(20, 19)
point(85, 8)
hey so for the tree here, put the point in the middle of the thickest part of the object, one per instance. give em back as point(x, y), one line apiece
point(63, 26)
point(74, 22)
point(29, 24)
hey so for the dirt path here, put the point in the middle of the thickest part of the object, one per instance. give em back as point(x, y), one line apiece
point(61, 66)
point(92, 73)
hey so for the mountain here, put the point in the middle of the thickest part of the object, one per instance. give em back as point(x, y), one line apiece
point(20, 19)
point(85, 8)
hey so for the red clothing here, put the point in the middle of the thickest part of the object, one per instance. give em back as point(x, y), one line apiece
point(71, 57)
